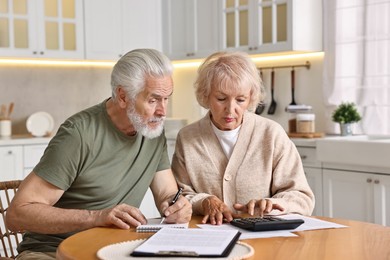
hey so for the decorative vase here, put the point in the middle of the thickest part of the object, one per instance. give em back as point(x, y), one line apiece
point(346, 129)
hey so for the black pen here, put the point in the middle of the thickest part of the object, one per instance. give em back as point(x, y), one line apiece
point(178, 193)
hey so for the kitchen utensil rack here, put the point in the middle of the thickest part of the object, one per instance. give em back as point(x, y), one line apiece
point(306, 65)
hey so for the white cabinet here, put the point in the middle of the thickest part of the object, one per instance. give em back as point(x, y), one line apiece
point(257, 26)
point(357, 195)
point(42, 29)
point(313, 173)
point(19, 156)
point(31, 156)
point(190, 28)
point(112, 28)
point(11, 163)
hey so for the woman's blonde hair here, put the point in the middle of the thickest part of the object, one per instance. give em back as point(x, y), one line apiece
point(229, 70)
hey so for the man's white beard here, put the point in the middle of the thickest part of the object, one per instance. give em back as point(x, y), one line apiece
point(141, 127)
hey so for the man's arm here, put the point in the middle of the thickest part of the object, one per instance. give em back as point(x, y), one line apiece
point(164, 188)
point(32, 209)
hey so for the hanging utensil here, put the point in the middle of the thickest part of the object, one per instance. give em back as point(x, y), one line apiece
point(260, 108)
point(293, 87)
point(272, 107)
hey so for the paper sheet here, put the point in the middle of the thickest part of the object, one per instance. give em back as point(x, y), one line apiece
point(310, 224)
point(200, 241)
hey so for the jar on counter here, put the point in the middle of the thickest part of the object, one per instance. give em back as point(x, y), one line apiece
point(305, 123)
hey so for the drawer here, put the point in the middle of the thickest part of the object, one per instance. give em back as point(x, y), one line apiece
point(308, 156)
point(32, 154)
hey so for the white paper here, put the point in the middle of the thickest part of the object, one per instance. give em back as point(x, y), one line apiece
point(310, 224)
point(246, 234)
point(200, 241)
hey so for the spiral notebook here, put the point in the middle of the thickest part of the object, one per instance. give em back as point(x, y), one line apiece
point(154, 225)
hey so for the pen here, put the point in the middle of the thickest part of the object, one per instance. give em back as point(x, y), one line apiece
point(177, 195)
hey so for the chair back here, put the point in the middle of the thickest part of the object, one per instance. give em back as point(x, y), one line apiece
point(9, 240)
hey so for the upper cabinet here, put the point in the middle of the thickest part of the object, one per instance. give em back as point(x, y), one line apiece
point(269, 26)
point(41, 29)
point(115, 27)
point(190, 28)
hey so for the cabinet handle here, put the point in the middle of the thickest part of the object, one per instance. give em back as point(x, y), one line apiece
point(34, 52)
point(303, 157)
point(250, 48)
point(41, 53)
point(376, 181)
point(369, 180)
point(9, 152)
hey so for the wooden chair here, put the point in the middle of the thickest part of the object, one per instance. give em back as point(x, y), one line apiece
point(9, 240)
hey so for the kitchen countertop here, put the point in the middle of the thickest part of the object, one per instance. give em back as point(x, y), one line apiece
point(24, 140)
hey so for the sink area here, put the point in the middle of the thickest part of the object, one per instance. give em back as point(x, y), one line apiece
point(364, 150)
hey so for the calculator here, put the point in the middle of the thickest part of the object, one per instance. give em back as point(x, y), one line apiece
point(266, 223)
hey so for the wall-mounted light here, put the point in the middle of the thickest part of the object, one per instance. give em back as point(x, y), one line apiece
point(176, 64)
point(70, 63)
point(255, 58)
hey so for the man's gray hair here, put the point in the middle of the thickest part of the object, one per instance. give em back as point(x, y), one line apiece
point(132, 70)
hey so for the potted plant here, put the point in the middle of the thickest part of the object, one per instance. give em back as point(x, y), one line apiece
point(346, 114)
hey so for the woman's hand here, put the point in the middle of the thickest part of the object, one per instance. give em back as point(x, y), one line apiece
point(215, 211)
point(258, 208)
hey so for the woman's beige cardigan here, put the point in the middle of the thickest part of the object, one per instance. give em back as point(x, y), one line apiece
point(264, 164)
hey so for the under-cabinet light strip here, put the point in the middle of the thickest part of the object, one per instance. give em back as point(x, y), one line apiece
point(176, 64)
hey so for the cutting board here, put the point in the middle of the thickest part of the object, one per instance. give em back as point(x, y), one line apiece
point(305, 135)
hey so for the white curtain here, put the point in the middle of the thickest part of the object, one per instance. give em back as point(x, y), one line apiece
point(357, 61)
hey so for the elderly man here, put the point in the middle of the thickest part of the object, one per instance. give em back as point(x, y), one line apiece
point(97, 168)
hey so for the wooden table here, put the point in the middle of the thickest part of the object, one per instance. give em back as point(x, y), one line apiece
point(359, 241)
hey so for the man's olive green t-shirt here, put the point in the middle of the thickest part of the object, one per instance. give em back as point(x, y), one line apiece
point(97, 166)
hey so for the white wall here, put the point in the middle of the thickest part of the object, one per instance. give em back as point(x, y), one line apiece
point(63, 90)
point(58, 90)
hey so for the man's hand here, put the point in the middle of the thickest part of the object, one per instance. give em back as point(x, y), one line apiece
point(179, 212)
point(258, 208)
point(122, 216)
point(215, 211)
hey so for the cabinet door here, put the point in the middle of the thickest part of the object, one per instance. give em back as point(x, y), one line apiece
point(271, 26)
point(237, 24)
point(314, 178)
point(190, 28)
point(381, 199)
point(60, 28)
point(103, 29)
point(17, 28)
point(31, 156)
point(41, 28)
point(141, 25)
point(175, 28)
point(348, 195)
point(11, 163)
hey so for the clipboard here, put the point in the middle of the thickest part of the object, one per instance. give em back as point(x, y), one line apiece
point(192, 242)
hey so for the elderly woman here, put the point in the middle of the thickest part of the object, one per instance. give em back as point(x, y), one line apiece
point(232, 160)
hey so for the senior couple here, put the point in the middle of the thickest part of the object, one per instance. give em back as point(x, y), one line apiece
point(99, 165)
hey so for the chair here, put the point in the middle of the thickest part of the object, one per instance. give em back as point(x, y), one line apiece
point(9, 240)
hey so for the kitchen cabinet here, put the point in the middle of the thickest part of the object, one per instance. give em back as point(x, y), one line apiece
point(259, 26)
point(41, 29)
point(112, 28)
point(11, 162)
point(19, 156)
point(357, 195)
point(190, 28)
point(313, 173)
